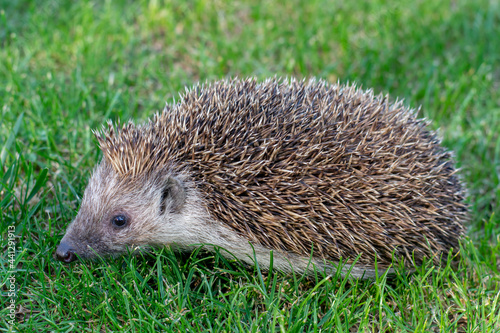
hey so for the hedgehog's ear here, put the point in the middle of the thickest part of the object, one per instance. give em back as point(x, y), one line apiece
point(173, 195)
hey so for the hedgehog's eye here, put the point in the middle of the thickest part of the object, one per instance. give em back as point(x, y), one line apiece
point(119, 221)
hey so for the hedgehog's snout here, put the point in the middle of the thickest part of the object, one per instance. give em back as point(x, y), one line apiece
point(65, 252)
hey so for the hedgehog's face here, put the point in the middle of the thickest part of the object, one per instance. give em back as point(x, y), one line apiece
point(120, 212)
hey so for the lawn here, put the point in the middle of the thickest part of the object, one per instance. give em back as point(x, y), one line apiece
point(68, 66)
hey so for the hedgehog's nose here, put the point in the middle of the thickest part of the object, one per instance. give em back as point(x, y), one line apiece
point(65, 253)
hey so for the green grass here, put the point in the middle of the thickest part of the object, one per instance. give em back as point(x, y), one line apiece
point(66, 67)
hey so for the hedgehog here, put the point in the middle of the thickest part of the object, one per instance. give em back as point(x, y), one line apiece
point(300, 174)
